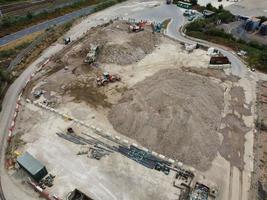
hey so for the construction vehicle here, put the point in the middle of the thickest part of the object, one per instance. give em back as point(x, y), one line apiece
point(67, 40)
point(107, 78)
point(156, 27)
point(136, 27)
point(91, 56)
point(190, 47)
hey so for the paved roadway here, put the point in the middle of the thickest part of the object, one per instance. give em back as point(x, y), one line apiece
point(171, 11)
point(11, 96)
point(46, 24)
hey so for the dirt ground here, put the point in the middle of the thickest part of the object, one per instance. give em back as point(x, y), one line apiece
point(139, 95)
point(260, 148)
point(173, 113)
point(167, 100)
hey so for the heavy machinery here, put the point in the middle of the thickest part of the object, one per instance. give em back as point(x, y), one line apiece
point(107, 78)
point(156, 27)
point(67, 40)
point(136, 27)
point(91, 56)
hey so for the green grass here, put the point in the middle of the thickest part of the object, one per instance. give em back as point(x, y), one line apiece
point(9, 1)
point(205, 29)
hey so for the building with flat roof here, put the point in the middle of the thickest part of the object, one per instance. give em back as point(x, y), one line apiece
point(263, 28)
point(32, 166)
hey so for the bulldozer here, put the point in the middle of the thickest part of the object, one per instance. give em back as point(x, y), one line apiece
point(107, 78)
point(136, 27)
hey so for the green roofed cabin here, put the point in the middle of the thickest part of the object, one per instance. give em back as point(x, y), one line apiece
point(32, 166)
point(184, 5)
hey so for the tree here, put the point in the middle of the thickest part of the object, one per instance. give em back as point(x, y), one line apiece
point(209, 6)
point(193, 2)
point(29, 15)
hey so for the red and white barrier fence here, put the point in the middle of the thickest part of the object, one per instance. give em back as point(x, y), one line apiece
point(12, 125)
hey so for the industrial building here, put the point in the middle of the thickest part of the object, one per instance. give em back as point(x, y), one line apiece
point(252, 24)
point(32, 166)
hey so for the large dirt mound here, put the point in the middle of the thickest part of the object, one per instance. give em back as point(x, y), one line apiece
point(116, 44)
point(174, 113)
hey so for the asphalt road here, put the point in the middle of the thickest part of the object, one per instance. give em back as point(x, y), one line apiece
point(9, 103)
point(42, 26)
point(163, 12)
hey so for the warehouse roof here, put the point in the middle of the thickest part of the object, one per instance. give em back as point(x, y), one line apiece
point(31, 164)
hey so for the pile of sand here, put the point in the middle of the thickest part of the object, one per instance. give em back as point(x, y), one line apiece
point(138, 46)
point(116, 44)
point(174, 113)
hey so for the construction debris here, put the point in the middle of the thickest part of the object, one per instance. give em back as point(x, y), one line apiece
point(42, 192)
point(97, 153)
point(200, 192)
point(78, 195)
point(183, 177)
point(47, 181)
point(145, 158)
point(37, 94)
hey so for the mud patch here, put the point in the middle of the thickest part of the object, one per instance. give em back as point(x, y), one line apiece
point(232, 148)
point(238, 101)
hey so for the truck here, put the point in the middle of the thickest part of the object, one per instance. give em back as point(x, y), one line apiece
point(219, 62)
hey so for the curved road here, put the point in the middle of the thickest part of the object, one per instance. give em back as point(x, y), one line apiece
point(44, 25)
point(158, 13)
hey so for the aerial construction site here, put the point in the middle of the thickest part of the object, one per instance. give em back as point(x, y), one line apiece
point(127, 112)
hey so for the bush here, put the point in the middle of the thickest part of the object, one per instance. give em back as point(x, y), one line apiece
point(6, 53)
point(193, 2)
point(225, 16)
point(197, 25)
point(4, 76)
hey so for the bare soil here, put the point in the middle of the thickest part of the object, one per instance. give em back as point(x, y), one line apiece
point(174, 113)
point(117, 46)
point(168, 108)
point(259, 178)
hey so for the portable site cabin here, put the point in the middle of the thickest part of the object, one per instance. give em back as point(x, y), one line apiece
point(32, 166)
point(185, 5)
